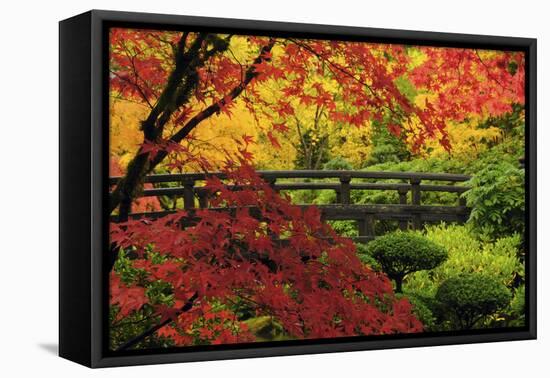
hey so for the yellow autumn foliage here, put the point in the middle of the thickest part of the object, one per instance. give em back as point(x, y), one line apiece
point(219, 135)
point(467, 140)
point(125, 136)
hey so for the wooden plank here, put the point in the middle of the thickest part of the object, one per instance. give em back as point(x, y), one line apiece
point(401, 217)
point(387, 208)
point(307, 185)
point(310, 174)
point(379, 186)
point(443, 188)
point(450, 217)
point(179, 190)
point(365, 174)
point(148, 215)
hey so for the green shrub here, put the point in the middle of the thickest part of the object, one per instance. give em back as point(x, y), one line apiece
point(344, 227)
point(470, 297)
point(516, 313)
point(421, 309)
point(366, 258)
point(338, 164)
point(400, 253)
point(467, 254)
point(497, 199)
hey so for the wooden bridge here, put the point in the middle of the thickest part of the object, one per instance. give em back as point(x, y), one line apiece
point(409, 212)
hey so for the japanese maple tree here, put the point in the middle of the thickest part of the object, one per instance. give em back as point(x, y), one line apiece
point(257, 251)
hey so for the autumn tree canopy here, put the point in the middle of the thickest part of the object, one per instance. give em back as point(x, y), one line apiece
point(185, 78)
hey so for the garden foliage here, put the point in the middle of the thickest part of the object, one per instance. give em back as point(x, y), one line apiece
point(499, 260)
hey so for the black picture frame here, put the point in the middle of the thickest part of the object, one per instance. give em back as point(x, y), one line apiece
point(83, 187)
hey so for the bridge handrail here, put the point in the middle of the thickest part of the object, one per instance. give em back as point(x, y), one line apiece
point(310, 174)
point(364, 214)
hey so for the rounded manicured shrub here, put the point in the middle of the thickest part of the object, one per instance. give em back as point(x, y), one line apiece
point(470, 297)
point(400, 253)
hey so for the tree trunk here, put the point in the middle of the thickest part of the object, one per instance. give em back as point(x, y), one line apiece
point(128, 187)
point(399, 285)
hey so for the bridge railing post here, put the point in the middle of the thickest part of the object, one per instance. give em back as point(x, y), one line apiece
point(345, 192)
point(416, 196)
point(366, 226)
point(462, 203)
point(402, 201)
point(189, 194)
point(203, 198)
point(125, 208)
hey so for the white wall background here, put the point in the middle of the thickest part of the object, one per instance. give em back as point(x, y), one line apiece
point(29, 188)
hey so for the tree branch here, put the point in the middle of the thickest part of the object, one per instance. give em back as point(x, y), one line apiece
point(136, 339)
point(489, 73)
point(333, 66)
point(216, 107)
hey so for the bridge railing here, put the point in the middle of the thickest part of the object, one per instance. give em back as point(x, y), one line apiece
point(189, 186)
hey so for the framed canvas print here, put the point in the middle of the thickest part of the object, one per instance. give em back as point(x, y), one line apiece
point(234, 188)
